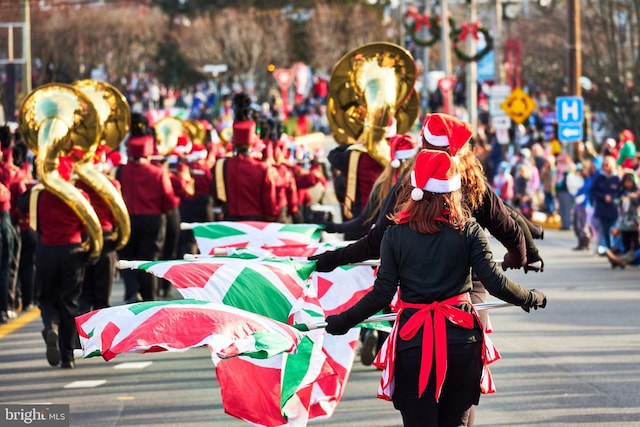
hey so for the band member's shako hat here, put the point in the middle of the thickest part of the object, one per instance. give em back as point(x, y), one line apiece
point(434, 171)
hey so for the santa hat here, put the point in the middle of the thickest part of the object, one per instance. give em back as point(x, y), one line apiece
point(140, 146)
point(403, 147)
point(443, 130)
point(244, 133)
point(436, 172)
point(198, 152)
point(392, 128)
point(627, 135)
point(183, 146)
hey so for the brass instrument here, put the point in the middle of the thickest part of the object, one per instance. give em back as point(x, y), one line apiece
point(368, 87)
point(55, 119)
point(168, 129)
point(196, 131)
point(115, 120)
point(226, 134)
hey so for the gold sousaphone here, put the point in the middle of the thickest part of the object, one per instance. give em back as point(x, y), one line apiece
point(55, 119)
point(115, 120)
point(368, 87)
point(168, 129)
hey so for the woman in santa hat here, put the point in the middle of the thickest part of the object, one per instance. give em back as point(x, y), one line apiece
point(434, 233)
point(447, 133)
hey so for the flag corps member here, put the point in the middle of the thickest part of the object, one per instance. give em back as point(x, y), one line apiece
point(433, 359)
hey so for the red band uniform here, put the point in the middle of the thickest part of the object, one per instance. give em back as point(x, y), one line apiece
point(60, 269)
point(245, 186)
point(148, 194)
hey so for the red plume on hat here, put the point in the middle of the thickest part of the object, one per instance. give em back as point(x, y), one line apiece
point(443, 130)
point(434, 171)
point(403, 147)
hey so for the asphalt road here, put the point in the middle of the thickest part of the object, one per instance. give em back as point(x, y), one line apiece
point(577, 362)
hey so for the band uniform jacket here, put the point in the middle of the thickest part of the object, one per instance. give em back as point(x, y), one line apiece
point(245, 188)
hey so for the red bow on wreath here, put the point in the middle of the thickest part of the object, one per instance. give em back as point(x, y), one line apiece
point(466, 29)
point(418, 20)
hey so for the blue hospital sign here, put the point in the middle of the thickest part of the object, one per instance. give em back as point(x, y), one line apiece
point(569, 110)
point(569, 116)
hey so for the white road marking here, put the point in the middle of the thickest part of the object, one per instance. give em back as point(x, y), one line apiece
point(132, 365)
point(85, 384)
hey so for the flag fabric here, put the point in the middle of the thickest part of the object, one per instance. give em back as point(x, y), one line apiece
point(311, 382)
point(276, 288)
point(223, 234)
point(148, 327)
point(279, 289)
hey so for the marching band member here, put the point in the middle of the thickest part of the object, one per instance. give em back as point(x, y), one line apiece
point(148, 194)
point(274, 154)
point(99, 276)
point(9, 238)
point(60, 268)
point(197, 206)
point(244, 186)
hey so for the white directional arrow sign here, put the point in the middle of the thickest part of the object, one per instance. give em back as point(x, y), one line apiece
point(570, 132)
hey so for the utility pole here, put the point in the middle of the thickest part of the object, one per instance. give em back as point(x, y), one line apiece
point(472, 70)
point(26, 47)
point(497, 43)
point(446, 42)
point(446, 55)
point(575, 48)
point(425, 62)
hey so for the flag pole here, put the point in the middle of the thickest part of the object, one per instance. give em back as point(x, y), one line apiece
point(390, 317)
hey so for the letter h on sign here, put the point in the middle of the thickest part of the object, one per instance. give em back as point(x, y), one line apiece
point(570, 115)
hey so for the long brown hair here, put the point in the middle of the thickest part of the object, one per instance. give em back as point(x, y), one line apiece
point(382, 186)
point(426, 215)
point(474, 184)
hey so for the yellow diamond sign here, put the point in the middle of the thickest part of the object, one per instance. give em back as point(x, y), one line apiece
point(518, 105)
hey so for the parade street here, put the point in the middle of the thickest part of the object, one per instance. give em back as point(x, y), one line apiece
point(577, 362)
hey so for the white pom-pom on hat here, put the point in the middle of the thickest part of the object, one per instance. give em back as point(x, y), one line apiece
point(417, 194)
point(402, 147)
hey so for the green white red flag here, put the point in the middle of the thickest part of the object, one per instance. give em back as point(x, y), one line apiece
point(146, 327)
point(211, 236)
point(311, 382)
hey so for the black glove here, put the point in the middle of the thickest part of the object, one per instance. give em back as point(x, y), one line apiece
point(532, 260)
point(511, 261)
point(329, 226)
point(339, 324)
point(536, 299)
point(325, 262)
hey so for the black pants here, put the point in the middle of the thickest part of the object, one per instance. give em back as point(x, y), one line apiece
point(146, 244)
point(26, 268)
point(460, 391)
point(59, 276)
point(98, 278)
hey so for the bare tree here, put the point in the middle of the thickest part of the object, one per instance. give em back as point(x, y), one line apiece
point(69, 43)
